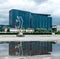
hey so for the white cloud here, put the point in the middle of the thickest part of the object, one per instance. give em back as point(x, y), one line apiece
point(47, 6)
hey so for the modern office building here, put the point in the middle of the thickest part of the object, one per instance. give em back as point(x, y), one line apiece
point(18, 18)
point(41, 21)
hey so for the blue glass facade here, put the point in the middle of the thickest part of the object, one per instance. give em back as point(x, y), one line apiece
point(13, 17)
point(30, 20)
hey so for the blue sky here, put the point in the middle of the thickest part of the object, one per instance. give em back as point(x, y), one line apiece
point(37, 6)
